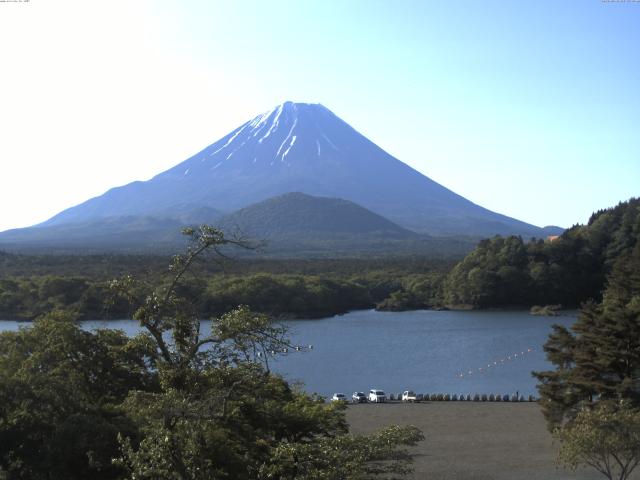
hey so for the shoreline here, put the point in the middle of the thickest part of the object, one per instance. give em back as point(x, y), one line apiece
point(565, 312)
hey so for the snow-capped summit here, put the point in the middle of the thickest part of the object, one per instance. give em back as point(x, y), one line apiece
point(299, 147)
point(270, 138)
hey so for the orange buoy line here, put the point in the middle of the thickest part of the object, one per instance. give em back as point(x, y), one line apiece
point(495, 363)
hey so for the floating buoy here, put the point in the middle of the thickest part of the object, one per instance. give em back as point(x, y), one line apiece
point(494, 363)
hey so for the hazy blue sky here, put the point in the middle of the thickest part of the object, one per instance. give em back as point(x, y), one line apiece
point(529, 109)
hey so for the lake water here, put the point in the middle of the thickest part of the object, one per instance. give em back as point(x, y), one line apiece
point(427, 351)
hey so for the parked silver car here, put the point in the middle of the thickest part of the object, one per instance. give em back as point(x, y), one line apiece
point(358, 397)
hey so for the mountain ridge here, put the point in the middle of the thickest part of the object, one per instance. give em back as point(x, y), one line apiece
point(292, 225)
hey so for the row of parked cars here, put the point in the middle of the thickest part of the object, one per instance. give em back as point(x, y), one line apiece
point(378, 396)
point(375, 396)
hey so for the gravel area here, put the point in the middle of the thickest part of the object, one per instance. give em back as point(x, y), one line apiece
point(473, 440)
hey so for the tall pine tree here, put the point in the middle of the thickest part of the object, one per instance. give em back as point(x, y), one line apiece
point(599, 358)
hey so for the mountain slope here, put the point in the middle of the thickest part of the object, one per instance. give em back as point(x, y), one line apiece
point(128, 233)
point(290, 225)
point(299, 147)
point(113, 233)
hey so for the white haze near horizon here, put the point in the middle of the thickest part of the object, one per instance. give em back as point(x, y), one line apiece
point(98, 94)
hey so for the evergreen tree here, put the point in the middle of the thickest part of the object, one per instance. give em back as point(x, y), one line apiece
point(599, 358)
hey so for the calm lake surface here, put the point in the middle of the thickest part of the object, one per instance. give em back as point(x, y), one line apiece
point(427, 351)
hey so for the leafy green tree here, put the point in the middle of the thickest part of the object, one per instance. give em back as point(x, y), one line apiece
point(344, 457)
point(606, 438)
point(60, 391)
point(219, 411)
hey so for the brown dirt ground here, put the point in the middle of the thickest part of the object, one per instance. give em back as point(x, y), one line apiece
point(469, 440)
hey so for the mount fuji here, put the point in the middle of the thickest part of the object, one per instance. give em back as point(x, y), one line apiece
point(295, 147)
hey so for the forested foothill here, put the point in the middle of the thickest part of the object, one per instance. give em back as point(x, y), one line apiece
point(567, 270)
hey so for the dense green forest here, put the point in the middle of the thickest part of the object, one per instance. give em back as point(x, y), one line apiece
point(511, 272)
point(109, 266)
point(569, 270)
point(33, 286)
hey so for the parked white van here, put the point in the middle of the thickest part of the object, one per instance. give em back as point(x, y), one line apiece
point(377, 396)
